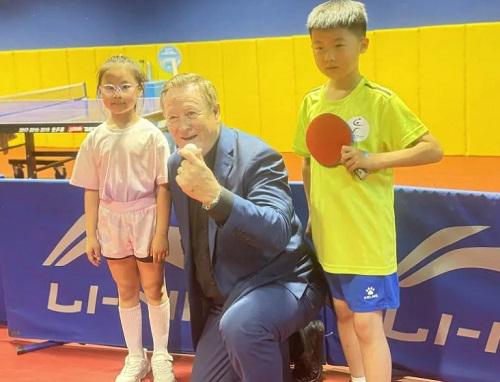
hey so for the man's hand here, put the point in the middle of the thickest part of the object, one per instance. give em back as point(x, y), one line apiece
point(194, 178)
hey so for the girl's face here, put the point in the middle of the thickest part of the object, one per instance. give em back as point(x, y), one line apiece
point(119, 91)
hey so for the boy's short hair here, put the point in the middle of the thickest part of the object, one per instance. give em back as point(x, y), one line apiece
point(347, 14)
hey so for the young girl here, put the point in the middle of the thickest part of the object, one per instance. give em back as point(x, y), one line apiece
point(122, 165)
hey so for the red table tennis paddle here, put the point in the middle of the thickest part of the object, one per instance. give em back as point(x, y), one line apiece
point(325, 136)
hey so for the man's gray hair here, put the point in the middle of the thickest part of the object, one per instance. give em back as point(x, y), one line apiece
point(183, 80)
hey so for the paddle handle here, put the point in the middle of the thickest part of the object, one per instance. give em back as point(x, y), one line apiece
point(360, 173)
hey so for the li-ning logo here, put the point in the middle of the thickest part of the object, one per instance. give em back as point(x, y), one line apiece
point(72, 246)
point(461, 258)
point(472, 257)
point(370, 293)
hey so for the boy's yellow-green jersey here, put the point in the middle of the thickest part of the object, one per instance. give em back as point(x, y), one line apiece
point(353, 220)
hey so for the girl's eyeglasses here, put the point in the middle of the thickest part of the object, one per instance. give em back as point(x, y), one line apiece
point(111, 90)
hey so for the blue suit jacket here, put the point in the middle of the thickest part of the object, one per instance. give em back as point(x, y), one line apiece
point(261, 241)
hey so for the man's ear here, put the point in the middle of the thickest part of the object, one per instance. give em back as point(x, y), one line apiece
point(217, 112)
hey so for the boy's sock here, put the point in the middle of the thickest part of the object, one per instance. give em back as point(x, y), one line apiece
point(159, 319)
point(358, 379)
point(131, 320)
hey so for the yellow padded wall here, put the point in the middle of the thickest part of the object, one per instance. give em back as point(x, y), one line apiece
point(367, 59)
point(396, 63)
point(482, 52)
point(448, 75)
point(307, 75)
point(277, 91)
point(205, 58)
point(82, 68)
point(53, 72)
point(239, 63)
point(27, 70)
point(143, 52)
point(27, 76)
point(53, 68)
point(8, 81)
point(442, 85)
point(105, 52)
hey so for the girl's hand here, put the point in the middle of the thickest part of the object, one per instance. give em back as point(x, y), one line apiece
point(159, 248)
point(93, 250)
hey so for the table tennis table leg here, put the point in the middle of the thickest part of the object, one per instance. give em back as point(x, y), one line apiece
point(38, 346)
point(30, 155)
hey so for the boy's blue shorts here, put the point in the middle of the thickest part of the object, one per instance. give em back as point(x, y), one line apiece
point(364, 293)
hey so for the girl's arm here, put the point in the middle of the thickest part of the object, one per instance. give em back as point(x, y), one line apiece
point(91, 205)
point(159, 245)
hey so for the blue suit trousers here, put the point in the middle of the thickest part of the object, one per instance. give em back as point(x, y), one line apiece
point(249, 341)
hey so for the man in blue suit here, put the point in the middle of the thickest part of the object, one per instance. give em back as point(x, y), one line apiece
point(252, 282)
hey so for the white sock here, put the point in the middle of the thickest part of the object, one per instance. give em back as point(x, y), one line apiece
point(159, 319)
point(358, 379)
point(131, 319)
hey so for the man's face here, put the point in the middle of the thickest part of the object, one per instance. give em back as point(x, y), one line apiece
point(336, 51)
point(189, 118)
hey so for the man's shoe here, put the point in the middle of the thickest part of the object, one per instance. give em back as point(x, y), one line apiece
point(136, 367)
point(309, 364)
point(161, 363)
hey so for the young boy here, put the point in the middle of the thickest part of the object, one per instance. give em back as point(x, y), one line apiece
point(352, 220)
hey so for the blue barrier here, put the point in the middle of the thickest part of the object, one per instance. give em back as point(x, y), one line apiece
point(448, 325)
point(51, 290)
point(3, 311)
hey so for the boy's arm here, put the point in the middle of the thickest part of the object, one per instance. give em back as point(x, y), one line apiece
point(159, 245)
point(425, 150)
point(91, 206)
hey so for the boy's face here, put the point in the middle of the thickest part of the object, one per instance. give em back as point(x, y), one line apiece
point(336, 51)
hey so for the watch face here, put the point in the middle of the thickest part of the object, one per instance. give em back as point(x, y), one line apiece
point(214, 202)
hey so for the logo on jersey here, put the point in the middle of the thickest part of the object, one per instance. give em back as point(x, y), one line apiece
point(360, 128)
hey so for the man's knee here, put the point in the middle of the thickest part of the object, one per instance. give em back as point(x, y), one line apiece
point(239, 329)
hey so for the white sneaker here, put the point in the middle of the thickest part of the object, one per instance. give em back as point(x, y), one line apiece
point(161, 363)
point(136, 367)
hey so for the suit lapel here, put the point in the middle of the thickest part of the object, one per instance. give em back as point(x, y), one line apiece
point(181, 207)
point(222, 167)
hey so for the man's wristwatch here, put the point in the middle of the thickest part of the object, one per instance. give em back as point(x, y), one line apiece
point(213, 203)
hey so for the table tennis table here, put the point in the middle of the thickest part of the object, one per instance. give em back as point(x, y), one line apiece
point(35, 116)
